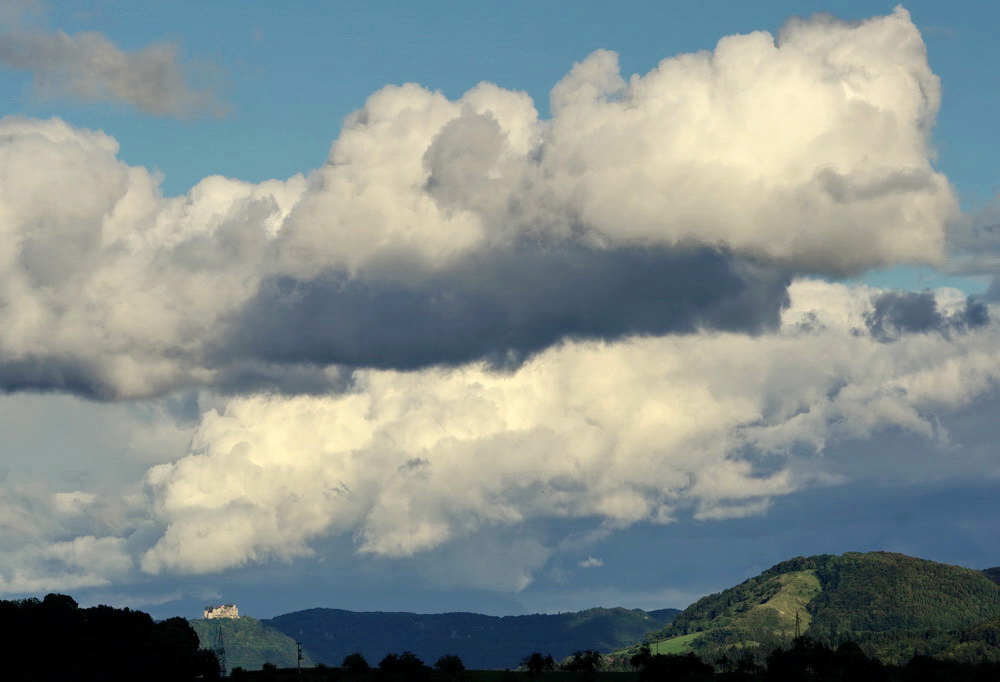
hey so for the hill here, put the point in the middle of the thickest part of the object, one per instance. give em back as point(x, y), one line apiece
point(481, 641)
point(993, 574)
point(248, 642)
point(895, 606)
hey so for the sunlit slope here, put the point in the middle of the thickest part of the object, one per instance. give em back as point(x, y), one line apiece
point(893, 604)
point(249, 643)
point(759, 611)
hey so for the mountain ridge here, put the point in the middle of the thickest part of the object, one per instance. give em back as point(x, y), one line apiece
point(481, 641)
point(894, 605)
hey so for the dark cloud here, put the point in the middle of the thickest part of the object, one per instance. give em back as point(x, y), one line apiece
point(504, 307)
point(52, 374)
point(974, 245)
point(306, 336)
point(896, 313)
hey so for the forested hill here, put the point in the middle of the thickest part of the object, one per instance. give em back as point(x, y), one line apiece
point(892, 604)
point(993, 574)
point(481, 641)
point(248, 643)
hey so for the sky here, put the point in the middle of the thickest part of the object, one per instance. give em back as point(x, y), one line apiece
point(504, 307)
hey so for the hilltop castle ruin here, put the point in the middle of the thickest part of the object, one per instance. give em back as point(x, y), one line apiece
point(224, 611)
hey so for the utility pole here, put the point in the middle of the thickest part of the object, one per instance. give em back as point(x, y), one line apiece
point(298, 652)
point(798, 629)
point(220, 649)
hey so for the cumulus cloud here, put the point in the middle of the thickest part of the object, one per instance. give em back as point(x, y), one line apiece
point(84, 561)
point(710, 426)
point(628, 264)
point(446, 467)
point(442, 232)
point(70, 471)
point(47, 540)
point(89, 67)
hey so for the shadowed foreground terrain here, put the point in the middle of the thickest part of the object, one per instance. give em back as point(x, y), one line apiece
point(804, 660)
point(54, 639)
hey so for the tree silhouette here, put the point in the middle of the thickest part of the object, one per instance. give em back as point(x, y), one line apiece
point(356, 664)
point(535, 663)
point(404, 666)
point(642, 658)
point(588, 661)
point(97, 643)
point(450, 664)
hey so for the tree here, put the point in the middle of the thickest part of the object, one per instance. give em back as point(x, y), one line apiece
point(100, 642)
point(641, 659)
point(450, 665)
point(356, 663)
point(588, 661)
point(404, 666)
point(535, 663)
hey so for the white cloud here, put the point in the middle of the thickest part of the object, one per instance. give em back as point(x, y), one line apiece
point(84, 561)
point(639, 430)
point(590, 562)
point(440, 231)
point(612, 258)
point(451, 466)
point(790, 149)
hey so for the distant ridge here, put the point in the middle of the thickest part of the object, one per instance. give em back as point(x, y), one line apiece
point(894, 605)
point(481, 641)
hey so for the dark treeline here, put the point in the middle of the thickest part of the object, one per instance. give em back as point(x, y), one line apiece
point(812, 661)
point(54, 639)
point(805, 660)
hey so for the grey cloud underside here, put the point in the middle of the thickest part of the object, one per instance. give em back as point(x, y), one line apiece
point(504, 307)
point(42, 374)
point(89, 67)
point(975, 247)
point(909, 312)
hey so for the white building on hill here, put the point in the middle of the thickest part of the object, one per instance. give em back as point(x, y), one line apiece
point(224, 611)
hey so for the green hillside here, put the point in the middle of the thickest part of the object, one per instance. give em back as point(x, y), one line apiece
point(895, 606)
point(249, 643)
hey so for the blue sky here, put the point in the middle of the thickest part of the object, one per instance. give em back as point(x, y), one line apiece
point(490, 353)
point(286, 104)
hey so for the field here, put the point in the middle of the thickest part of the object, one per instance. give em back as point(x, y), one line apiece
point(674, 645)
